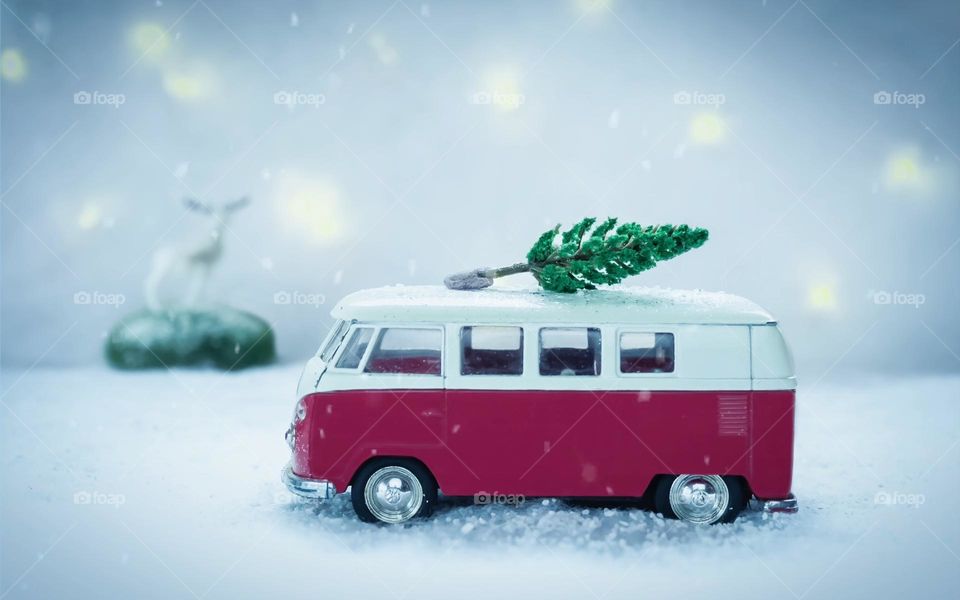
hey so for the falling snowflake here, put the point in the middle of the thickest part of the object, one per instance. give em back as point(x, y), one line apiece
point(613, 121)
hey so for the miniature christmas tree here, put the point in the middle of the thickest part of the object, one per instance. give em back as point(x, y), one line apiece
point(586, 255)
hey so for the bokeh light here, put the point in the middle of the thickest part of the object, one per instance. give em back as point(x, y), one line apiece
point(904, 170)
point(150, 41)
point(90, 216)
point(194, 82)
point(13, 67)
point(593, 6)
point(822, 297)
point(385, 53)
point(310, 207)
point(707, 129)
point(502, 88)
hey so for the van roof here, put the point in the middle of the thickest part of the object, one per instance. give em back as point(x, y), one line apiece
point(618, 304)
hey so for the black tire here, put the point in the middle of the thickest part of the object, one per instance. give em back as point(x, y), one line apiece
point(736, 487)
point(427, 483)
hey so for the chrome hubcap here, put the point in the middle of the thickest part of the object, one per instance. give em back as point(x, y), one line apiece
point(393, 494)
point(699, 498)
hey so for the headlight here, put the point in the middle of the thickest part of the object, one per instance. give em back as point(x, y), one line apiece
point(300, 412)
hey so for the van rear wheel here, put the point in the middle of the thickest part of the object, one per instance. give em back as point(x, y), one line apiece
point(393, 491)
point(701, 499)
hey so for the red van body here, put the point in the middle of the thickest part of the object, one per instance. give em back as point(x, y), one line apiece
point(722, 404)
point(545, 443)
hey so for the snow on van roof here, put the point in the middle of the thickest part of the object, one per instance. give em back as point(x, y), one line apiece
point(617, 304)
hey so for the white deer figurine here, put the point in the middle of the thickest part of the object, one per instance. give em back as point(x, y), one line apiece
point(195, 260)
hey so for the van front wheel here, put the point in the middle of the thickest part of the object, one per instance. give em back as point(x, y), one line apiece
point(702, 499)
point(393, 491)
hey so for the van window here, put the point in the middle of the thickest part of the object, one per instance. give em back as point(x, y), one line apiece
point(646, 353)
point(406, 350)
point(333, 340)
point(353, 353)
point(491, 351)
point(569, 351)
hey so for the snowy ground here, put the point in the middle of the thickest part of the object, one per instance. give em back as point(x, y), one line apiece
point(166, 485)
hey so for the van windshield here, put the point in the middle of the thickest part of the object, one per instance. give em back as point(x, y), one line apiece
point(330, 345)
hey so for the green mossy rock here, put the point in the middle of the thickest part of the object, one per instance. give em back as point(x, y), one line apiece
point(225, 337)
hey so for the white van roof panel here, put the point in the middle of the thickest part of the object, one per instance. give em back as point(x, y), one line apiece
point(616, 304)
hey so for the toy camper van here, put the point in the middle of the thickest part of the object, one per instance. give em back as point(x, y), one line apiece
point(683, 399)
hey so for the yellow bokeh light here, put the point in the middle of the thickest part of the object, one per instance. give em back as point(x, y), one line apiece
point(13, 67)
point(905, 171)
point(707, 128)
point(192, 83)
point(310, 207)
point(822, 297)
point(90, 216)
point(149, 40)
point(501, 89)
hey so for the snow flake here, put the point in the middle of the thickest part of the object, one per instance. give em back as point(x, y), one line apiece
point(613, 121)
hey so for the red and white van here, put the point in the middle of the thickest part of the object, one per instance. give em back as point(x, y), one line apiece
point(682, 398)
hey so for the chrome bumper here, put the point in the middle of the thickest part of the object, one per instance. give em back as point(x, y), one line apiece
point(307, 488)
point(786, 505)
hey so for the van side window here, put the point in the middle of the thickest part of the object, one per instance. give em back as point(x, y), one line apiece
point(646, 353)
point(333, 340)
point(406, 350)
point(569, 351)
point(491, 351)
point(353, 353)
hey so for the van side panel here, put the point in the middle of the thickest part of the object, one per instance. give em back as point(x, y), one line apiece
point(346, 428)
point(552, 443)
point(772, 433)
point(599, 444)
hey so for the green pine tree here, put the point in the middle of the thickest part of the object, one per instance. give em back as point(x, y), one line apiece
point(588, 255)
